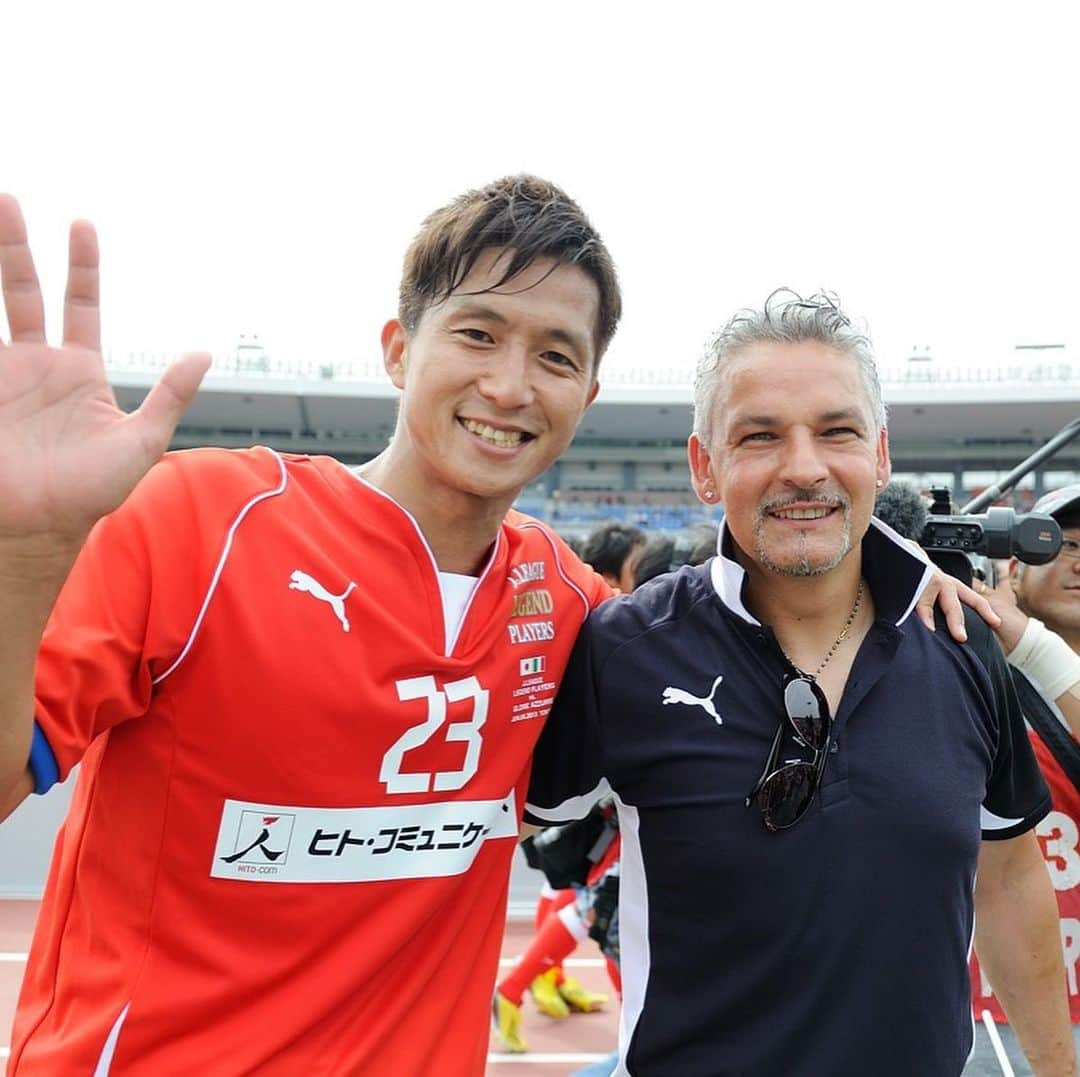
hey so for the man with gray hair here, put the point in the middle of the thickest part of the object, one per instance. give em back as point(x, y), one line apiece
point(832, 772)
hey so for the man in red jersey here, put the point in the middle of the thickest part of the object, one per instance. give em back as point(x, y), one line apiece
point(1040, 633)
point(304, 698)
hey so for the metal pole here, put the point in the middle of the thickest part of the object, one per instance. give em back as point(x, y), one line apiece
point(990, 495)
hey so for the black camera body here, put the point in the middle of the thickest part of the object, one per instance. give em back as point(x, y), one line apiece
point(951, 539)
point(1032, 537)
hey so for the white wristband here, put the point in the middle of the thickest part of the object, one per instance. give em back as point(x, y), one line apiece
point(1045, 658)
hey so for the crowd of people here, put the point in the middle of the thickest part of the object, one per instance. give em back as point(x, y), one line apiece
point(312, 704)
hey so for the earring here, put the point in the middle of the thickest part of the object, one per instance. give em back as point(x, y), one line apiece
point(709, 495)
point(879, 483)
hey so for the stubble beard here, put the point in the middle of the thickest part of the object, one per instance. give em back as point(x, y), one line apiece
point(802, 566)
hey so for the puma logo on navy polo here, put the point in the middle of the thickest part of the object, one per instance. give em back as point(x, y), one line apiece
point(680, 695)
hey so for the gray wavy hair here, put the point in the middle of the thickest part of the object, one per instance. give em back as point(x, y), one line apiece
point(786, 318)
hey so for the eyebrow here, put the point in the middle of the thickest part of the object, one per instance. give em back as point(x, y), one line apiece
point(770, 421)
point(470, 309)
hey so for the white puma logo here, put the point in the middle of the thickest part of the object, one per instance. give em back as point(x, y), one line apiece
point(301, 581)
point(679, 695)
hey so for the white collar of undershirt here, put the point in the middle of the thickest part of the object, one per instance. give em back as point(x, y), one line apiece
point(456, 592)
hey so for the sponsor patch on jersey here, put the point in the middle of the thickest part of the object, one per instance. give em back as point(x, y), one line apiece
point(526, 572)
point(531, 632)
point(532, 603)
point(532, 665)
point(275, 843)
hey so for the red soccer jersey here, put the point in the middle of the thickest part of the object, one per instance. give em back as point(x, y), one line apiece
point(289, 846)
point(1059, 839)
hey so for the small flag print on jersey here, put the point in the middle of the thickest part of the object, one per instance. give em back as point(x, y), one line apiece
point(532, 665)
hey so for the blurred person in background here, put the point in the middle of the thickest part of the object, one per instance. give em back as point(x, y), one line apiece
point(612, 549)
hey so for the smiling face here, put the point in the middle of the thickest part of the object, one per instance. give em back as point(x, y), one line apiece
point(794, 456)
point(495, 383)
point(1052, 592)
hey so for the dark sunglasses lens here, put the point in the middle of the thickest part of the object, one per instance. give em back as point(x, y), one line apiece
point(786, 795)
point(806, 707)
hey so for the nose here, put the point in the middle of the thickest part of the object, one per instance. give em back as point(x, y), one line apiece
point(506, 379)
point(802, 461)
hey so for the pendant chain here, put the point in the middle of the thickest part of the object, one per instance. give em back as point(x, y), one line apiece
point(836, 643)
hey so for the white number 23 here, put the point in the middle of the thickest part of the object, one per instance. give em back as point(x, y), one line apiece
point(391, 774)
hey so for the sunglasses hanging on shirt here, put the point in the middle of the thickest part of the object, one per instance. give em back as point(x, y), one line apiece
point(785, 793)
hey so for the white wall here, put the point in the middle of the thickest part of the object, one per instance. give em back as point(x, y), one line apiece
point(26, 841)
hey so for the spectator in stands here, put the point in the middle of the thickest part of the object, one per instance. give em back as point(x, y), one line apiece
point(811, 915)
point(611, 550)
point(1039, 606)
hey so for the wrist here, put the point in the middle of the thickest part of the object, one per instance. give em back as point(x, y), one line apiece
point(40, 559)
point(1046, 659)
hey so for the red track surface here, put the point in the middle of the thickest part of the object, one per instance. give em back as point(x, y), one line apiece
point(556, 1048)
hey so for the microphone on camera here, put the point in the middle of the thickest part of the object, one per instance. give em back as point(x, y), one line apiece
point(903, 508)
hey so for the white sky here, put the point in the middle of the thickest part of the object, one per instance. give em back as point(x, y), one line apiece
point(260, 167)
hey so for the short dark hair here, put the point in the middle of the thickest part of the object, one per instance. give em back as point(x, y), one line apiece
point(702, 539)
point(608, 546)
point(528, 214)
point(666, 553)
point(654, 560)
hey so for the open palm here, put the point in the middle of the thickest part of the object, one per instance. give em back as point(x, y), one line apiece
point(68, 454)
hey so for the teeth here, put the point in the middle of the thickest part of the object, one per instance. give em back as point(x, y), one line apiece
point(801, 514)
point(505, 438)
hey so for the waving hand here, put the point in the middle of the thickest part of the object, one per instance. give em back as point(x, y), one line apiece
point(68, 453)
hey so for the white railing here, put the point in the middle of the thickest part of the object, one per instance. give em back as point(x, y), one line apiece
point(259, 366)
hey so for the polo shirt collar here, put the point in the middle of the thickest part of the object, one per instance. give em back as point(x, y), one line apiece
point(895, 572)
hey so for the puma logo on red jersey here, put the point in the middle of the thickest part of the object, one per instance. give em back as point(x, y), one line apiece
point(301, 581)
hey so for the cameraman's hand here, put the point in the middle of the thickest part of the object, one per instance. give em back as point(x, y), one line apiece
point(68, 454)
point(1002, 598)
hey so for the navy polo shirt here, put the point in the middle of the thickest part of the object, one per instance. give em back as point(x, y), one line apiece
point(838, 947)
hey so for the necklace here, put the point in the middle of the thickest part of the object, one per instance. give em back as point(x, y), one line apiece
point(836, 643)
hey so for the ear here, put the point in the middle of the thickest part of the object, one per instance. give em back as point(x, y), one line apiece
point(394, 344)
point(884, 464)
point(592, 392)
point(701, 471)
point(1014, 572)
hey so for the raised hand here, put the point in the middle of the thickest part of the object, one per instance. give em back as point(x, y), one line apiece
point(68, 454)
